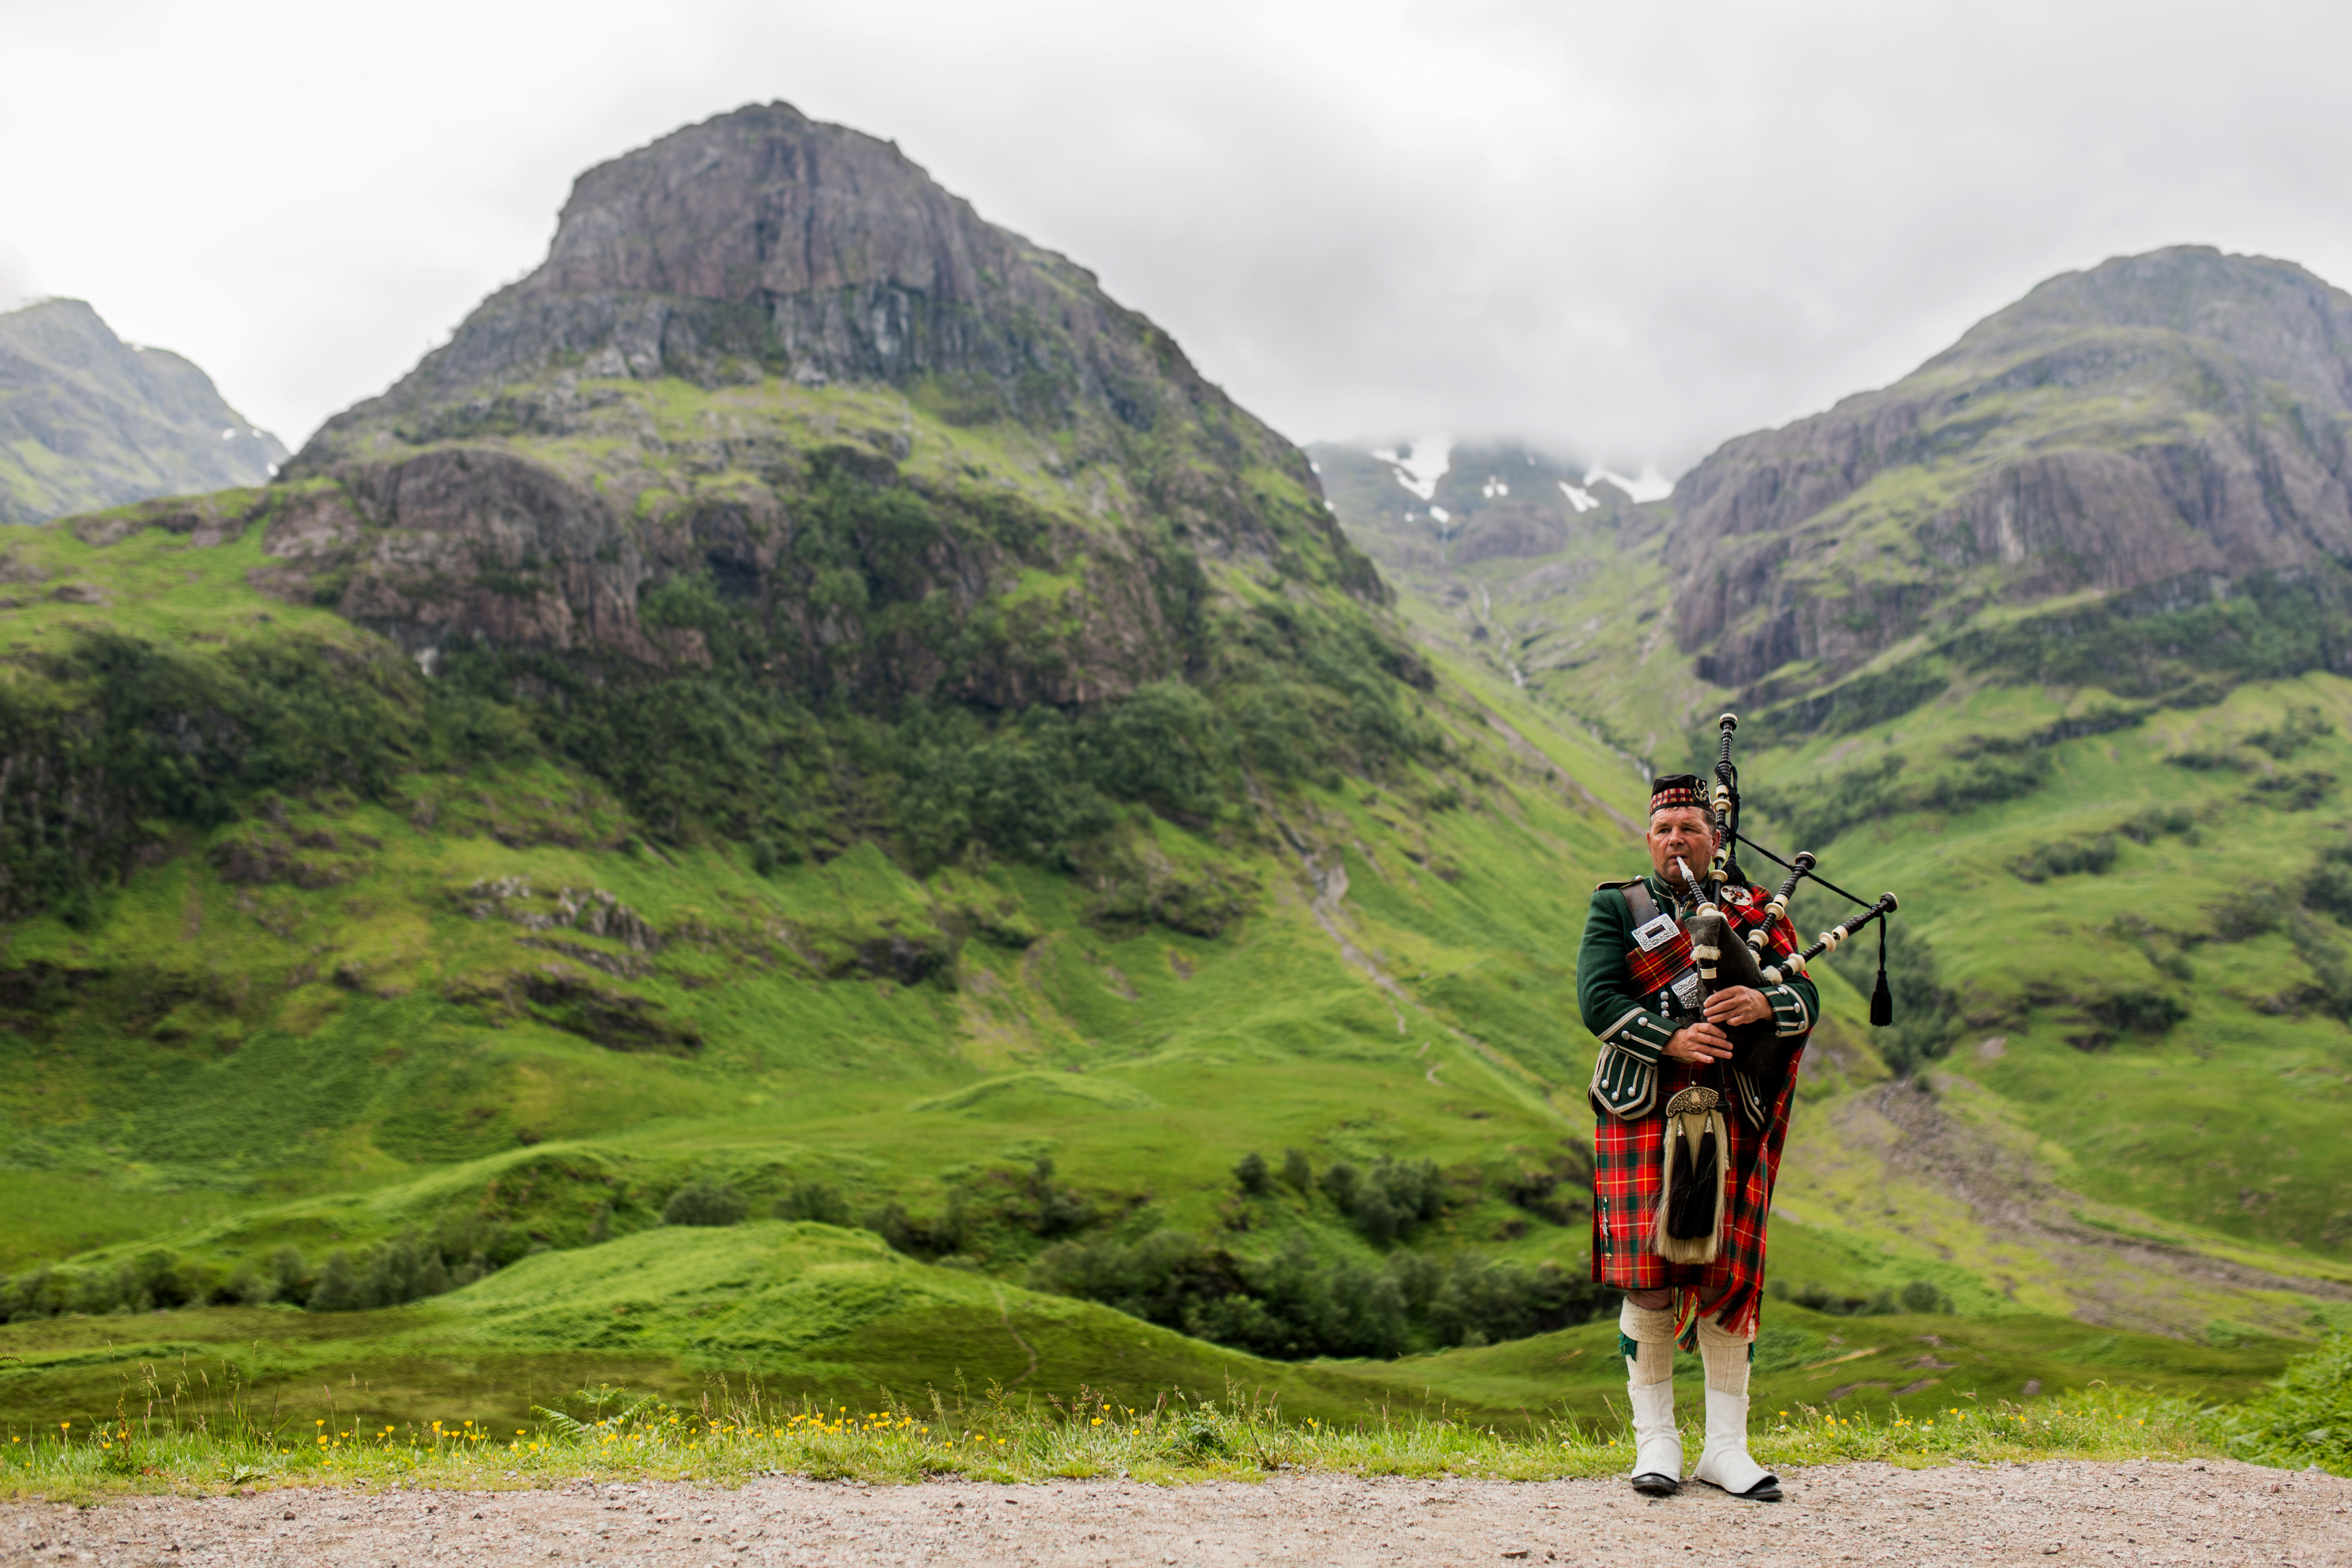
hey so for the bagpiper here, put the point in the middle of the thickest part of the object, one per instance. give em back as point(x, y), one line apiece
point(1691, 1093)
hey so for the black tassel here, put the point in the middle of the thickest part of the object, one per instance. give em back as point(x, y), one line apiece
point(1691, 1216)
point(1881, 1000)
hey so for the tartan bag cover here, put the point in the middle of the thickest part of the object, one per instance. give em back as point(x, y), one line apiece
point(1653, 971)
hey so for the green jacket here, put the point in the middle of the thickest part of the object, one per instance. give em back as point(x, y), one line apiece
point(1633, 1029)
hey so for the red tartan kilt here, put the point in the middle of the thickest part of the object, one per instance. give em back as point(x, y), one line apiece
point(1626, 1179)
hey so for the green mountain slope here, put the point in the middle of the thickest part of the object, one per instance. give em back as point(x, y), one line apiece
point(2101, 766)
point(807, 713)
point(815, 1311)
point(88, 421)
point(886, 741)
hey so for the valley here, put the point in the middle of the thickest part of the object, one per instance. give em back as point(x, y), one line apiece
point(837, 812)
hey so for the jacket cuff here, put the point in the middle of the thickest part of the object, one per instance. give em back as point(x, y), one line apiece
point(1791, 1015)
point(1641, 1033)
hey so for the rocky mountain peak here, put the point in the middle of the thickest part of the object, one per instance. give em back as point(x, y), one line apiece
point(2164, 424)
point(774, 390)
point(762, 205)
point(2277, 319)
point(763, 242)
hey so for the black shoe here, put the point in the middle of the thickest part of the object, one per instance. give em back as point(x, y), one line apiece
point(1651, 1484)
point(1765, 1491)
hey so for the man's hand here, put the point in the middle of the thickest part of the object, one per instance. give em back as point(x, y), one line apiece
point(1700, 1044)
point(1737, 1005)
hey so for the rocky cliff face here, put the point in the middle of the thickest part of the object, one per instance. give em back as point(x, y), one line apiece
point(2161, 426)
point(773, 356)
point(764, 239)
point(88, 421)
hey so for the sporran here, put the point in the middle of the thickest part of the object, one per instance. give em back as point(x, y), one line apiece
point(1697, 1157)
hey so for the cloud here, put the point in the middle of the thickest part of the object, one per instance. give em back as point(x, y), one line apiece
point(16, 278)
point(1625, 231)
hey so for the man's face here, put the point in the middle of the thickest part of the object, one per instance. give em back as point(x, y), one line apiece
point(1684, 833)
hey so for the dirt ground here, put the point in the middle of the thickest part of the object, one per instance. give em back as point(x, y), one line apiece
point(2200, 1513)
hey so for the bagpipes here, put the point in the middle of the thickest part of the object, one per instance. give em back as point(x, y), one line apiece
point(1690, 1208)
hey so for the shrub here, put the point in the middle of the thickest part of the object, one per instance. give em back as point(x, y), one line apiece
point(2328, 885)
point(2245, 912)
point(1388, 1203)
point(1927, 1015)
point(1294, 1304)
point(2155, 821)
point(2067, 858)
point(1253, 1175)
point(339, 1288)
point(1922, 1296)
point(1047, 1209)
point(2296, 790)
point(1880, 1303)
point(1816, 812)
point(1165, 746)
point(2331, 967)
point(116, 735)
point(705, 1203)
point(2297, 730)
point(2138, 1011)
point(817, 1200)
point(289, 1276)
point(2303, 1419)
point(920, 1237)
point(405, 1268)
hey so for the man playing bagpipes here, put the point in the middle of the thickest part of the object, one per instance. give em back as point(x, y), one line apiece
point(1692, 1092)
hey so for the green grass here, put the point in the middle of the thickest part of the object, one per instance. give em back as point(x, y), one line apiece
point(2212, 1139)
point(739, 1431)
point(373, 1048)
point(321, 1111)
point(815, 1312)
point(2224, 1122)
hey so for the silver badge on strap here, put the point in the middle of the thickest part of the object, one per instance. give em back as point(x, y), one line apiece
point(1654, 933)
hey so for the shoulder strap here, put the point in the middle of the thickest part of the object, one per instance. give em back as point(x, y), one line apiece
point(1638, 900)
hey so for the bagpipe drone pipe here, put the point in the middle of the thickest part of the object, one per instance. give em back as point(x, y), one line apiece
point(1690, 1210)
point(1739, 962)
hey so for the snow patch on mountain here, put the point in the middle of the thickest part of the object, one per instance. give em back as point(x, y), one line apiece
point(1650, 486)
point(1425, 461)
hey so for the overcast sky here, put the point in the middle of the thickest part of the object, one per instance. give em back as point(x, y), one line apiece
point(1623, 230)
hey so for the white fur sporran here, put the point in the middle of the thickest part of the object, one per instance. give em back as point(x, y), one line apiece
point(1697, 1156)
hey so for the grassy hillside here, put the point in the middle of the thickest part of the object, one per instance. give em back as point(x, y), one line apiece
point(397, 1037)
point(353, 1020)
point(2116, 823)
point(810, 1312)
point(738, 846)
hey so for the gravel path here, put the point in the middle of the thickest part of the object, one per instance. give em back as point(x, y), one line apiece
point(2144, 1513)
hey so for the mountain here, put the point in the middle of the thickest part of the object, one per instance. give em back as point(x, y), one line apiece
point(807, 717)
point(1070, 464)
point(1429, 502)
point(2047, 636)
point(803, 708)
point(88, 421)
point(2163, 431)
